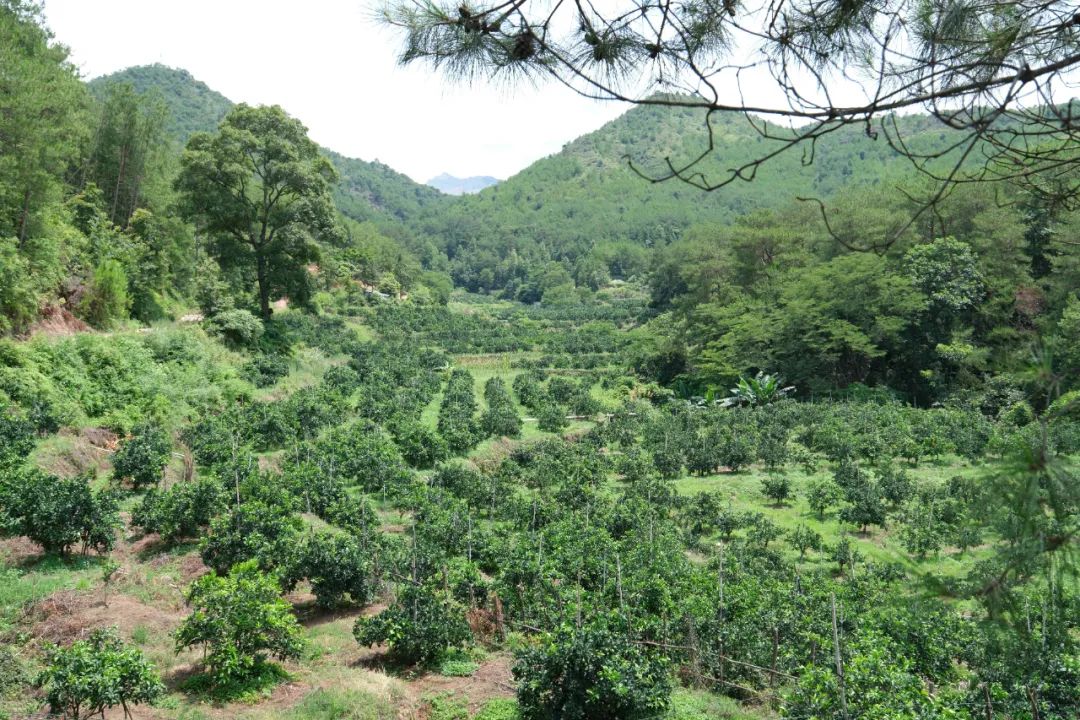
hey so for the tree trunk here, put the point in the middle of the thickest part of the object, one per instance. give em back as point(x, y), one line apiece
point(264, 289)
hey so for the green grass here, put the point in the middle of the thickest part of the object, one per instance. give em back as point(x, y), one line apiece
point(336, 704)
point(20, 587)
point(744, 491)
point(700, 705)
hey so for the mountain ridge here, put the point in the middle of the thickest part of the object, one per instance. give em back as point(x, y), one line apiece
point(453, 185)
point(367, 191)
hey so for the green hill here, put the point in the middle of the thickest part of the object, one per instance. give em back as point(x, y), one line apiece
point(193, 106)
point(368, 190)
point(585, 198)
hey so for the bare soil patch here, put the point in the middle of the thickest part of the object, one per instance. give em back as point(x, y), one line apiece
point(492, 679)
point(56, 321)
point(18, 551)
point(67, 616)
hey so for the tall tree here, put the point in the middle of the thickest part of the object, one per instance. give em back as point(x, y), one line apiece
point(130, 136)
point(42, 103)
point(260, 189)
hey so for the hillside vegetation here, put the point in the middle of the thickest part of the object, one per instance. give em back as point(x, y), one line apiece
point(284, 434)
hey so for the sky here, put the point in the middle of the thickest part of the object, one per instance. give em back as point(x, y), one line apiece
point(328, 63)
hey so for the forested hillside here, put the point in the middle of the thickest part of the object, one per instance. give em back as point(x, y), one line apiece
point(366, 191)
point(284, 434)
point(586, 206)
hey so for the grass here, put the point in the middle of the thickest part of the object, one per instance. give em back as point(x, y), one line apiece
point(265, 677)
point(338, 704)
point(20, 587)
point(744, 491)
point(700, 705)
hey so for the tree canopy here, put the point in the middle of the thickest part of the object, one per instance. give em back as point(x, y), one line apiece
point(261, 189)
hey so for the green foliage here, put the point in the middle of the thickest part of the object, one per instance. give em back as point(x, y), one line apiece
point(127, 149)
point(761, 389)
point(181, 511)
point(92, 675)
point(261, 189)
point(58, 513)
point(421, 447)
point(879, 682)
point(421, 624)
point(803, 538)
point(142, 458)
point(239, 328)
point(457, 414)
point(337, 566)
point(500, 419)
point(239, 620)
point(252, 531)
point(498, 709)
point(591, 672)
point(551, 417)
point(821, 494)
point(776, 487)
point(107, 297)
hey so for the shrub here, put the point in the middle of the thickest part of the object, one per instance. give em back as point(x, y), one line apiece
point(336, 566)
point(591, 673)
point(421, 624)
point(90, 675)
point(239, 620)
point(776, 487)
point(420, 446)
point(551, 417)
point(183, 510)
point(142, 458)
point(107, 297)
point(238, 328)
point(58, 513)
point(361, 453)
point(265, 369)
point(803, 538)
point(821, 494)
point(501, 418)
point(252, 531)
point(457, 413)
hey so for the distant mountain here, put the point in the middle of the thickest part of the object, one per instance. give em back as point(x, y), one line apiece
point(461, 186)
point(367, 190)
point(587, 201)
point(193, 106)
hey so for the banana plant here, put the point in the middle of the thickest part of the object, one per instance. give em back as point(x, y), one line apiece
point(762, 389)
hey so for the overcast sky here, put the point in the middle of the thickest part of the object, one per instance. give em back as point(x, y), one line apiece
point(330, 65)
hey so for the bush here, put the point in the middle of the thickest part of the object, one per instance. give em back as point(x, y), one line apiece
point(591, 673)
point(107, 297)
point(776, 487)
point(84, 679)
point(265, 369)
point(336, 566)
point(421, 625)
point(252, 531)
point(551, 417)
point(238, 328)
point(421, 447)
point(821, 494)
point(239, 620)
point(501, 418)
point(58, 513)
point(457, 413)
point(183, 510)
point(142, 457)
